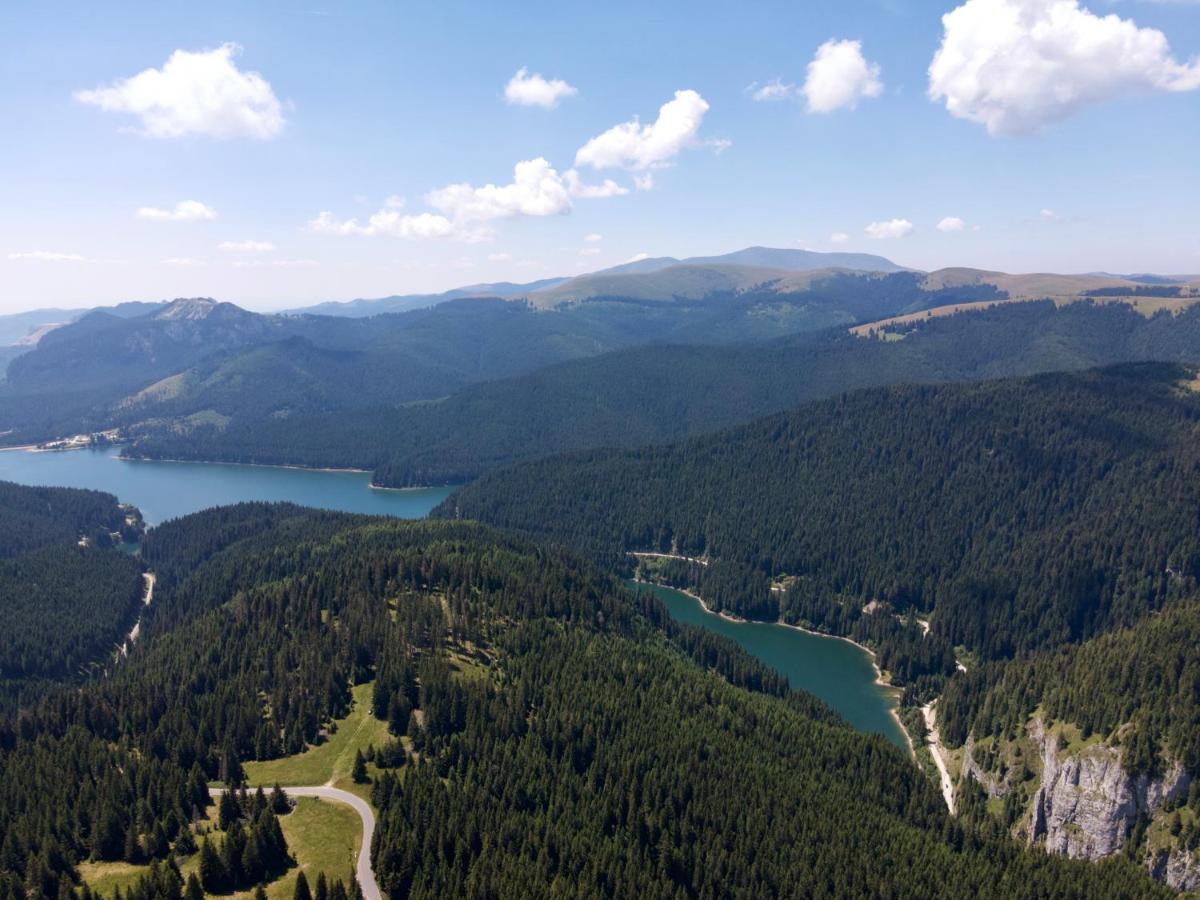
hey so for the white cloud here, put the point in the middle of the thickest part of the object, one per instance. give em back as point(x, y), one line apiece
point(184, 211)
point(276, 263)
point(246, 246)
point(499, 257)
point(638, 257)
point(394, 201)
point(46, 256)
point(389, 222)
point(524, 89)
point(839, 76)
point(182, 261)
point(589, 251)
point(632, 145)
point(772, 90)
point(1017, 65)
point(536, 190)
point(951, 223)
point(644, 182)
point(195, 93)
point(1048, 214)
point(593, 238)
point(839, 237)
point(577, 188)
point(892, 228)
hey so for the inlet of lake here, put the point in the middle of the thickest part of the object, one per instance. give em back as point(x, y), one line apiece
point(167, 490)
point(838, 672)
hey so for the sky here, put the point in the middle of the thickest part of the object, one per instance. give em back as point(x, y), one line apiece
point(281, 154)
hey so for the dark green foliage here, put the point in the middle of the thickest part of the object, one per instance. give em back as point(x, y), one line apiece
point(359, 773)
point(1147, 675)
point(1025, 514)
point(65, 607)
point(302, 892)
point(593, 755)
point(661, 393)
point(91, 374)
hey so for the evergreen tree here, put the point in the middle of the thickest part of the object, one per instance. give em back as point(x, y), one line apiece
point(359, 773)
point(302, 892)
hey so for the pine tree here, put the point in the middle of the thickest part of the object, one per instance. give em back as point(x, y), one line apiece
point(302, 892)
point(322, 892)
point(280, 804)
point(193, 891)
point(359, 773)
point(212, 871)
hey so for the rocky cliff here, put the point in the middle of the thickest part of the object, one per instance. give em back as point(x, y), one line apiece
point(1087, 803)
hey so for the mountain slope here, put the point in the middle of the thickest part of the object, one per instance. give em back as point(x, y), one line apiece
point(655, 394)
point(550, 709)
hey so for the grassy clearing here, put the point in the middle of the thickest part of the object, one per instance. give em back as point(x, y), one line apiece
point(332, 761)
point(322, 837)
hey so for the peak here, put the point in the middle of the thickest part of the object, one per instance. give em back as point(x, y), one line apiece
point(191, 308)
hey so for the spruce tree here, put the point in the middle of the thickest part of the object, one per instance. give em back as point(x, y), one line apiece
point(302, 892)
point(360, 769)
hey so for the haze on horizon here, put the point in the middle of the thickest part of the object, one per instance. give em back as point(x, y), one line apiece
point(277, 156)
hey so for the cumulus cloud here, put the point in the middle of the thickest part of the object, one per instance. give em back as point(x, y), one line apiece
point(839, 76)
point(638, 257)
point(951, 223)
point(1015, 66)
point(46, 256)
point(632, 145)
point(892, 228)
point(1048, 214)
point(839, 237)
point(246, 246)
point(524, 89)
point(772, 90)
point(577, 188)
point(536, 190)
point(195, 93)
point(388, 222)
point(464, 211)
point(184, 211)
point(276, 263)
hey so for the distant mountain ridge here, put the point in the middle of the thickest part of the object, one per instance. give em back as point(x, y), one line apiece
point(782, 259)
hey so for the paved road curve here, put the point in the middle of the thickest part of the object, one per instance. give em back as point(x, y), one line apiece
point(362, 872)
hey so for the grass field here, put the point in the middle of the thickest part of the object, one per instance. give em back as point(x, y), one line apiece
point(322, 837)
point(331, 762)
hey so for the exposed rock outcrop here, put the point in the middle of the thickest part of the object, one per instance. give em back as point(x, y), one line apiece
point(1178, 869)
point(1087, 802)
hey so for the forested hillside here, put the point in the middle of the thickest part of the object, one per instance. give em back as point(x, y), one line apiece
point(570, 738)
point(196, 362)
point(655, 394)
point(67, 595)
point(1021, 515)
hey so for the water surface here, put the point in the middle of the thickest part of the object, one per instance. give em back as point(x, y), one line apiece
point(837, 671)
point(166, 490)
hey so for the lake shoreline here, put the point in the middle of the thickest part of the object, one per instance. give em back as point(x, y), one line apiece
point(893, 710)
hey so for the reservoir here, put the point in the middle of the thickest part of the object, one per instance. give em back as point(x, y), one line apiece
point(837, 671)
point(167, 490)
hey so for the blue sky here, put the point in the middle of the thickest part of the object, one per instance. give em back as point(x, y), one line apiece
point(1054, 158)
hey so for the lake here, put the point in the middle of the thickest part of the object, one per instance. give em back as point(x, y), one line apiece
point(837, 671)
point(166, 490)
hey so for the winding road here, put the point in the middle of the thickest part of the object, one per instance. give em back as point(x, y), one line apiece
point(363, 872)
point(938, 751)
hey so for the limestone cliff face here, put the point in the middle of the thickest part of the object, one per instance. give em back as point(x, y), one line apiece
point(1087, 803)
point(1178, 869)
